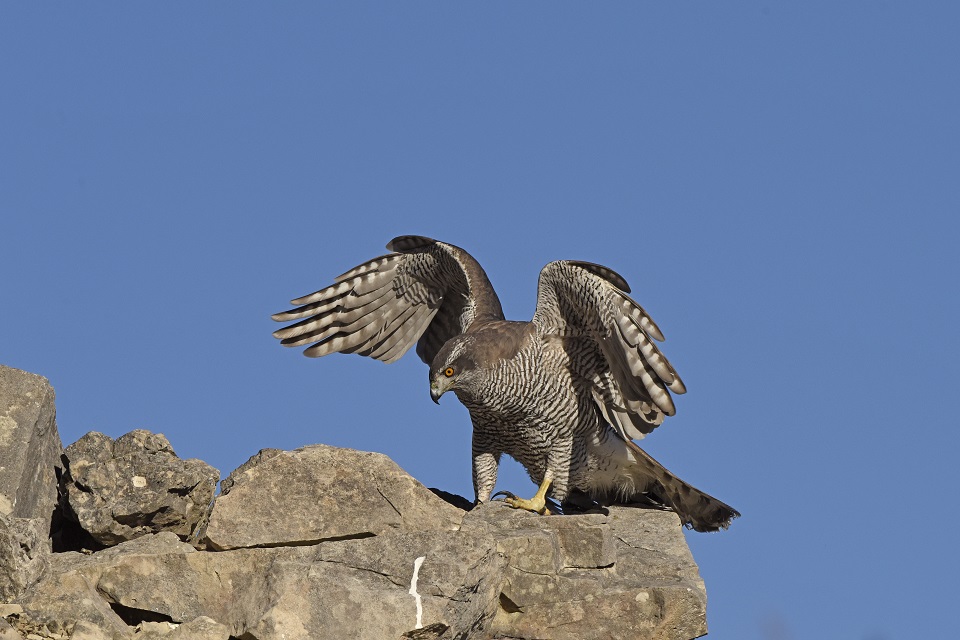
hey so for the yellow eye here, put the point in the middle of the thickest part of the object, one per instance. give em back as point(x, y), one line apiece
point(448, 371)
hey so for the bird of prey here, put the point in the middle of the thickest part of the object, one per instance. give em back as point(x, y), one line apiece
point(565, 394)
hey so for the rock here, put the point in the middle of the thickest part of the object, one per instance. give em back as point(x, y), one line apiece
point(505, 573)
point(7, 610)
point(24, 545)
point(87, 631)
point(274, 593)
point(202, 628)
point(29, 446)
point(376, 594)
point(624, 574)
point(7, 632)
point(320, 493)
point(233, 588)
point(319, 542)
point(70, 597)
point(123, 489)
point(15, 627)
point(154, 630)
point(430, 632)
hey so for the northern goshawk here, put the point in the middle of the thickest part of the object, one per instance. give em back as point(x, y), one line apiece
point(564, 394)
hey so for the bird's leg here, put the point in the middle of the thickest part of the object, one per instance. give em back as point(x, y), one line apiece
point(485, 466)
point(537, 504)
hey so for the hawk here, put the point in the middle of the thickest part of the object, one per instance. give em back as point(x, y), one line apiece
point(565, 394)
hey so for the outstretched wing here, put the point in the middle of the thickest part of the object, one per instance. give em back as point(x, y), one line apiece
point(632, 378)
point(426, 291)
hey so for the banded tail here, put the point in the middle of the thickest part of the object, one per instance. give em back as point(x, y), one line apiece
point(640, 478)
point(697, 510)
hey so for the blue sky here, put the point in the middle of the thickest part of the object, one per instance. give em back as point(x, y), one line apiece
point(778, 183)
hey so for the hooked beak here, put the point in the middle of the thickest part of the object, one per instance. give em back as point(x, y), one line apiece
point(439, 387)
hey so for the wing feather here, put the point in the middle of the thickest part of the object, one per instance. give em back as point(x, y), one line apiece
point(353, 337)
point(637, 313)
point(323, 306)
point(372, 338)
point(633, 377)
point(377, 265)
point(391, 350)
point(635, 337)
point(338, 316)
point(424, 293)
point(329, 330)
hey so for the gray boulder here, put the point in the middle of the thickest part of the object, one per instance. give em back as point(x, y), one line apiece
point(120, 490)
point(201, 628)
point(319, 542)
point(504, 574)
point(344, 589)
point(626, 573)
point(69, 599)
point(29, 446)
point(24, 546)
point(320, 493)
point(7, 632)
point(30, 452)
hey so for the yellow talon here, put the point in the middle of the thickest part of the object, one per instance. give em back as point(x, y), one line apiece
point(537, 504)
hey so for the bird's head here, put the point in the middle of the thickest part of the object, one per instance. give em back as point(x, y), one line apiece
point(452, 368)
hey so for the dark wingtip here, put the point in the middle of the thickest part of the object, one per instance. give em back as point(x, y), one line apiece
point(606, 273)
point(409, 243)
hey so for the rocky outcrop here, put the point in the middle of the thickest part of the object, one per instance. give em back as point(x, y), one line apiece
point(24, 549)
point(120, 490)
point(320, 493)
point(332, 543)
point(31, 446)
point(625, 573)
point(503, 574)
point(29, 469)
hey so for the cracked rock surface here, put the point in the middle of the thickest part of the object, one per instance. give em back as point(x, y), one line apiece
point(319, 493)
point(30, 445)
point(136, 485)
point(329, 543)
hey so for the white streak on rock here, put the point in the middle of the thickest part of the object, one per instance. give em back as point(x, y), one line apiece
point(413, 590)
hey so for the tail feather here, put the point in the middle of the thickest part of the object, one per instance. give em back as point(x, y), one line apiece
point(697, 510)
